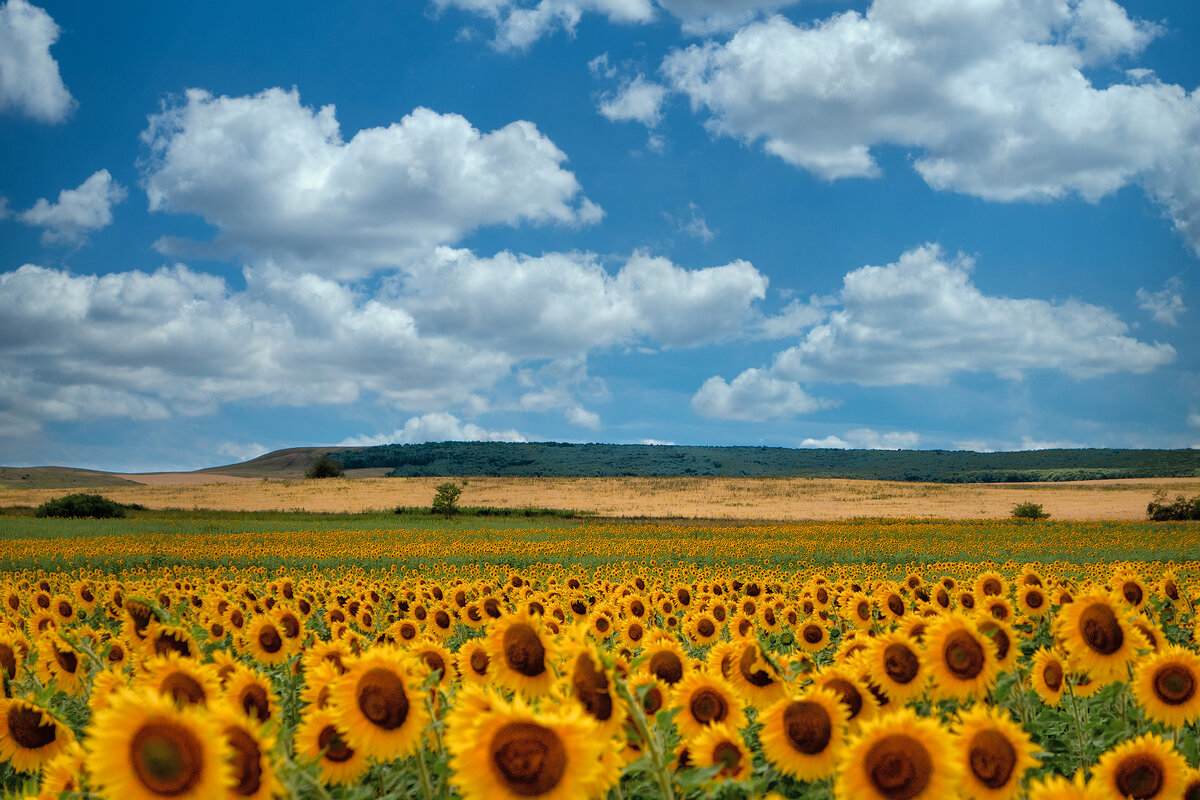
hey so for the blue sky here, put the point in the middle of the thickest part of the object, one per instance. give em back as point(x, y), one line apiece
point(227, 229)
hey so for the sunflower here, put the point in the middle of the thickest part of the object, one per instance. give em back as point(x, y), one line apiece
point(11, 643)
point(856, 697)
point(591, 688)
point(812, 636)
point(521, 656)
point(58, 661)
point(702, 629)
point(754, 677)
point(857, 610)
point(705, 700)
point(252, 692)
point(472, 662)
point(1145, 768)
point(720, 745)
point(990, 583)
point(1132, 591)
point(164, 639)
point(320, 739)
point(898, 757)
point(666, 661)
point(29, 735)
point(633, 634)
point(1057, 787)
point(1005, 640)
point(1047, 674)
point(143, 747)
point(994, 753)
point(1033, 601)
point(430, 656)
point(250, 750)
point(185, 681)
point(265, 642)
point(803, 736)
point(378, 707)
point(961, 659)
point(895, 665)
point(1097, 638)
point(1167, 685)
point(64, 772)
point(511, 752)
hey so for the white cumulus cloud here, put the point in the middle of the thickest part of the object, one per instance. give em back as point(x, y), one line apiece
point(520, 23)
point(437, 426)
point(77, 212)
point(991, 97)
point(30, 82)
point(637, 100)
point(278, 181)
point(755, 396)
point(867, 439)
point(1166, 304)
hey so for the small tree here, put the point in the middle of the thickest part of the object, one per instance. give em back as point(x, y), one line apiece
point(81, 505)
point(324, 466)
point(446, 499)
point(1029, 511)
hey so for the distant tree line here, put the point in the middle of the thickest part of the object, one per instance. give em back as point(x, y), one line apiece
point(553, 459)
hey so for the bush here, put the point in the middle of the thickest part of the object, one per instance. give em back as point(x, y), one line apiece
point(81, 505)
point(1029, 511)
point(324, 466)
point(446, 499)
point(1159, 510)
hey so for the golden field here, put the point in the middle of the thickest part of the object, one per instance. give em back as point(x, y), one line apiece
point(707, 498)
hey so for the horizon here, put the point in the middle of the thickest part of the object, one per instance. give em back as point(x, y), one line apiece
point(858, 225)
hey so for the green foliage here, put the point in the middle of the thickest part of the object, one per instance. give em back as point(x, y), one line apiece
point(81, 505)
point(446, 499)
point(1029, 510)
point(552, 459)
point(1159, 510)
point(324, 466)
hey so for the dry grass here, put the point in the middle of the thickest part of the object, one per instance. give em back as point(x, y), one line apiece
point(715, 498)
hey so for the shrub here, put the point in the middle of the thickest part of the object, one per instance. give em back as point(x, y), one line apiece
point(1159, 510)
point(324, 466)
point(81, 505)
point(1029, 511)
point(446, 499)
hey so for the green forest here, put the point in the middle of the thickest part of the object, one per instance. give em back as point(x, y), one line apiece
point(553, 459)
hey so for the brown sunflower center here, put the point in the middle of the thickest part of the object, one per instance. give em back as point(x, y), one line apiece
point(708, 705)
point(434, 662)
point(667, 667)
point(167, 759)
point(900, 663)
point(1100, 628)
point(255, 702)
point(1034, 599)
point(895, 604)
point(808, 726)
point(992, 586)
point(269, 639)
point(898, 766)
point(530, 760)
point(729, 755)
point(382, 699)
point(247, 761)
point(1139, 776)
point(8, 660)
point(1053, 676)
point(755, 677)
point(653, 701)
point(523, 650)
point(479, 662)
point(637, 608)
point(706, 627)
point(67, 660)
point(813, 634)
point(183, 688)
point(848, 693)
point(290, 625)
point(442, 619)
point(1132, 593)
point(963, 655)
point(635, 632)
point(1174, 684)
point(591, 688)
point(992, 758)
point(27, 729)
point(335, 748)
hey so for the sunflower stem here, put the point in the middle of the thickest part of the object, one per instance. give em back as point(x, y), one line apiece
point(426, 787)
point(1084, 761)
point(649, 740)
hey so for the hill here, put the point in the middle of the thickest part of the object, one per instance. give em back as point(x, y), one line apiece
point(553, 459)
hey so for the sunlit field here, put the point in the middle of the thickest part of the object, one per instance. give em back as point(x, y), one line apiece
point(340, 657)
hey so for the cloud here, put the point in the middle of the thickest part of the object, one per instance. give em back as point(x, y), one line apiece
point(1165, 305)
point(435, 427)
point(754, 396)
point(638, 100)
point(867, 439)
point(240, 452)
point(29, 79)
point(77, 212)
point(921, 320)
point(703, 17)
point(278, 181)
point(521, 23)
point(991, 97)
point(559, 304)
point(695, 225)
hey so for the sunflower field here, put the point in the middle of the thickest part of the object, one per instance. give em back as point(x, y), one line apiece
point(876, 660)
